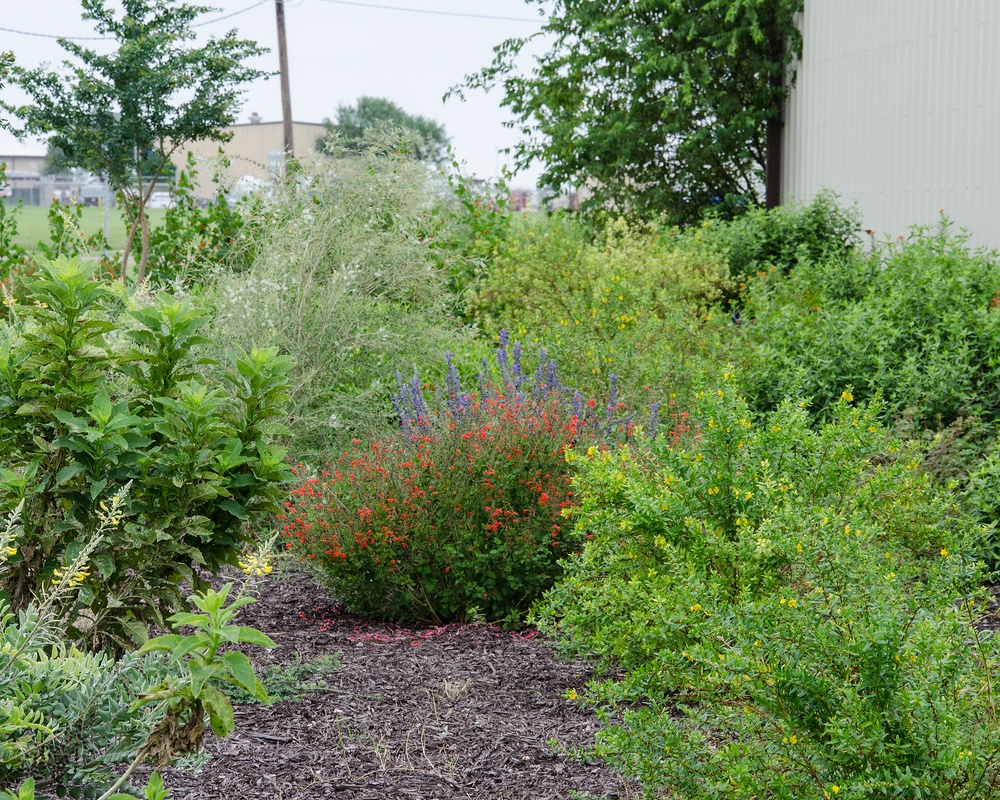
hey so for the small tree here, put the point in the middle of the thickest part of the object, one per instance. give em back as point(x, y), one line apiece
point(658, 106)
point(6, 61)
point(122, 114)
point(357, 124)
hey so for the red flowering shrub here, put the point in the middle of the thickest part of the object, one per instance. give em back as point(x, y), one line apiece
point(458, 516)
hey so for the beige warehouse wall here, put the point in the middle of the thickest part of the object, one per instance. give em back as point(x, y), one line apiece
point(897, 106)
point(252, 151)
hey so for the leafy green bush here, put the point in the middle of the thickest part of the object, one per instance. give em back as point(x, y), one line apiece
point(193, 241)
point(345, 282)
point(633, 302)
point(86, 402)
point(782, 237)
point(792, 606)
point(915, 320)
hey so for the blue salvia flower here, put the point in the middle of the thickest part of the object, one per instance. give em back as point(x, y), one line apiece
point(654, 411)
point(553, 384)
point(504, 361)
point(419, 407)
point(517, 371)
point(453, 385)
point(504, 337)
point(536, 391)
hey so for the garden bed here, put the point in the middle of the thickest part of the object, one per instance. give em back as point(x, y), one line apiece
point(463, 711)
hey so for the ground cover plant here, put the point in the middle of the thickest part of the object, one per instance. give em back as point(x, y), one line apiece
point(793, 605)
point(459, 515)
point(79, 723)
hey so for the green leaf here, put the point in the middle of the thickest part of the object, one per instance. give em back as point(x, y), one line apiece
point(242, 672)
point(104, 563)
point(155, 789)
point(200, 674)
point(169, 641)
point(254, 636)
point(234, 508)
point(220, 711)
point(69, 472)
point(137, 631)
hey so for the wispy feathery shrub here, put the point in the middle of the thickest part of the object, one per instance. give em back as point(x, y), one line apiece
point(344, 279)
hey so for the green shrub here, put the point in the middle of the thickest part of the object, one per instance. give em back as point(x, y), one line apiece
point(87, 401)
point(915, 320)
point(64, 714)
point(634, 302)
point(791, 605)
point(194, 241)
point(782, 237)
point(69, 721)
point(344, 281)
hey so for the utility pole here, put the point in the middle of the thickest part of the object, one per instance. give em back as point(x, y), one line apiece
point(286, 95)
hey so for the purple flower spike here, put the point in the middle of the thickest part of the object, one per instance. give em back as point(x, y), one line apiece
point(539, 387)
point(518, 374)
point(453, 385)
point(654, 411)
point(419, 407)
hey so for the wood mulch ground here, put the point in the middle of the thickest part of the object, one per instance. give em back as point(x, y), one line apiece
point(463, 711)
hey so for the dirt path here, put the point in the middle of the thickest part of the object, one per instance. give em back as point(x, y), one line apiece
point(455, 712)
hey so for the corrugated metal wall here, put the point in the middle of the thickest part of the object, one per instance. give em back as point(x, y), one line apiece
point(897, 106)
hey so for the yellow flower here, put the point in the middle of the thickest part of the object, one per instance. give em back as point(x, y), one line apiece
point(792, 604)
point(835, 789)
point(696, 607)
point(944, 553)
point(847, 396)
point(570, 694)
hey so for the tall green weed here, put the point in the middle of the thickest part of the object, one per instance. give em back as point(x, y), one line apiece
point(915, 320)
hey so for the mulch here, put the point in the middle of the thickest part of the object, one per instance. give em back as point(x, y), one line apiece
point(460, 711)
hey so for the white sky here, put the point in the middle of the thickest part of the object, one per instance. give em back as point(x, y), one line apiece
point(339, 50)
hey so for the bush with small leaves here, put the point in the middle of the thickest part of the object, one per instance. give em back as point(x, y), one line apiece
point(793, 605)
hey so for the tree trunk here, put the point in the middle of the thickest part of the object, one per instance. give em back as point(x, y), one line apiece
point(144, 260)
point(132, 230)
point(775, 124)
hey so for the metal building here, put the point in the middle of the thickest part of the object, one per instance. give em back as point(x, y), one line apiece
point(897, 106)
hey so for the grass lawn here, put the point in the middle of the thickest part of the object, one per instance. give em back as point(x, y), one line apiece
point(33, 224)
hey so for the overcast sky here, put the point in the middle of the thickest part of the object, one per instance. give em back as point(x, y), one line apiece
point(410, 51)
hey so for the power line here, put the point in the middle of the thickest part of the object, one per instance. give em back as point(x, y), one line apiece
point(110, 38)
point(232, 14)
point(428, 11)
point(54, 36)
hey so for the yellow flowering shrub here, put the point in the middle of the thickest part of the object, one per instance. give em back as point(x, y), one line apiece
point(792, 608)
